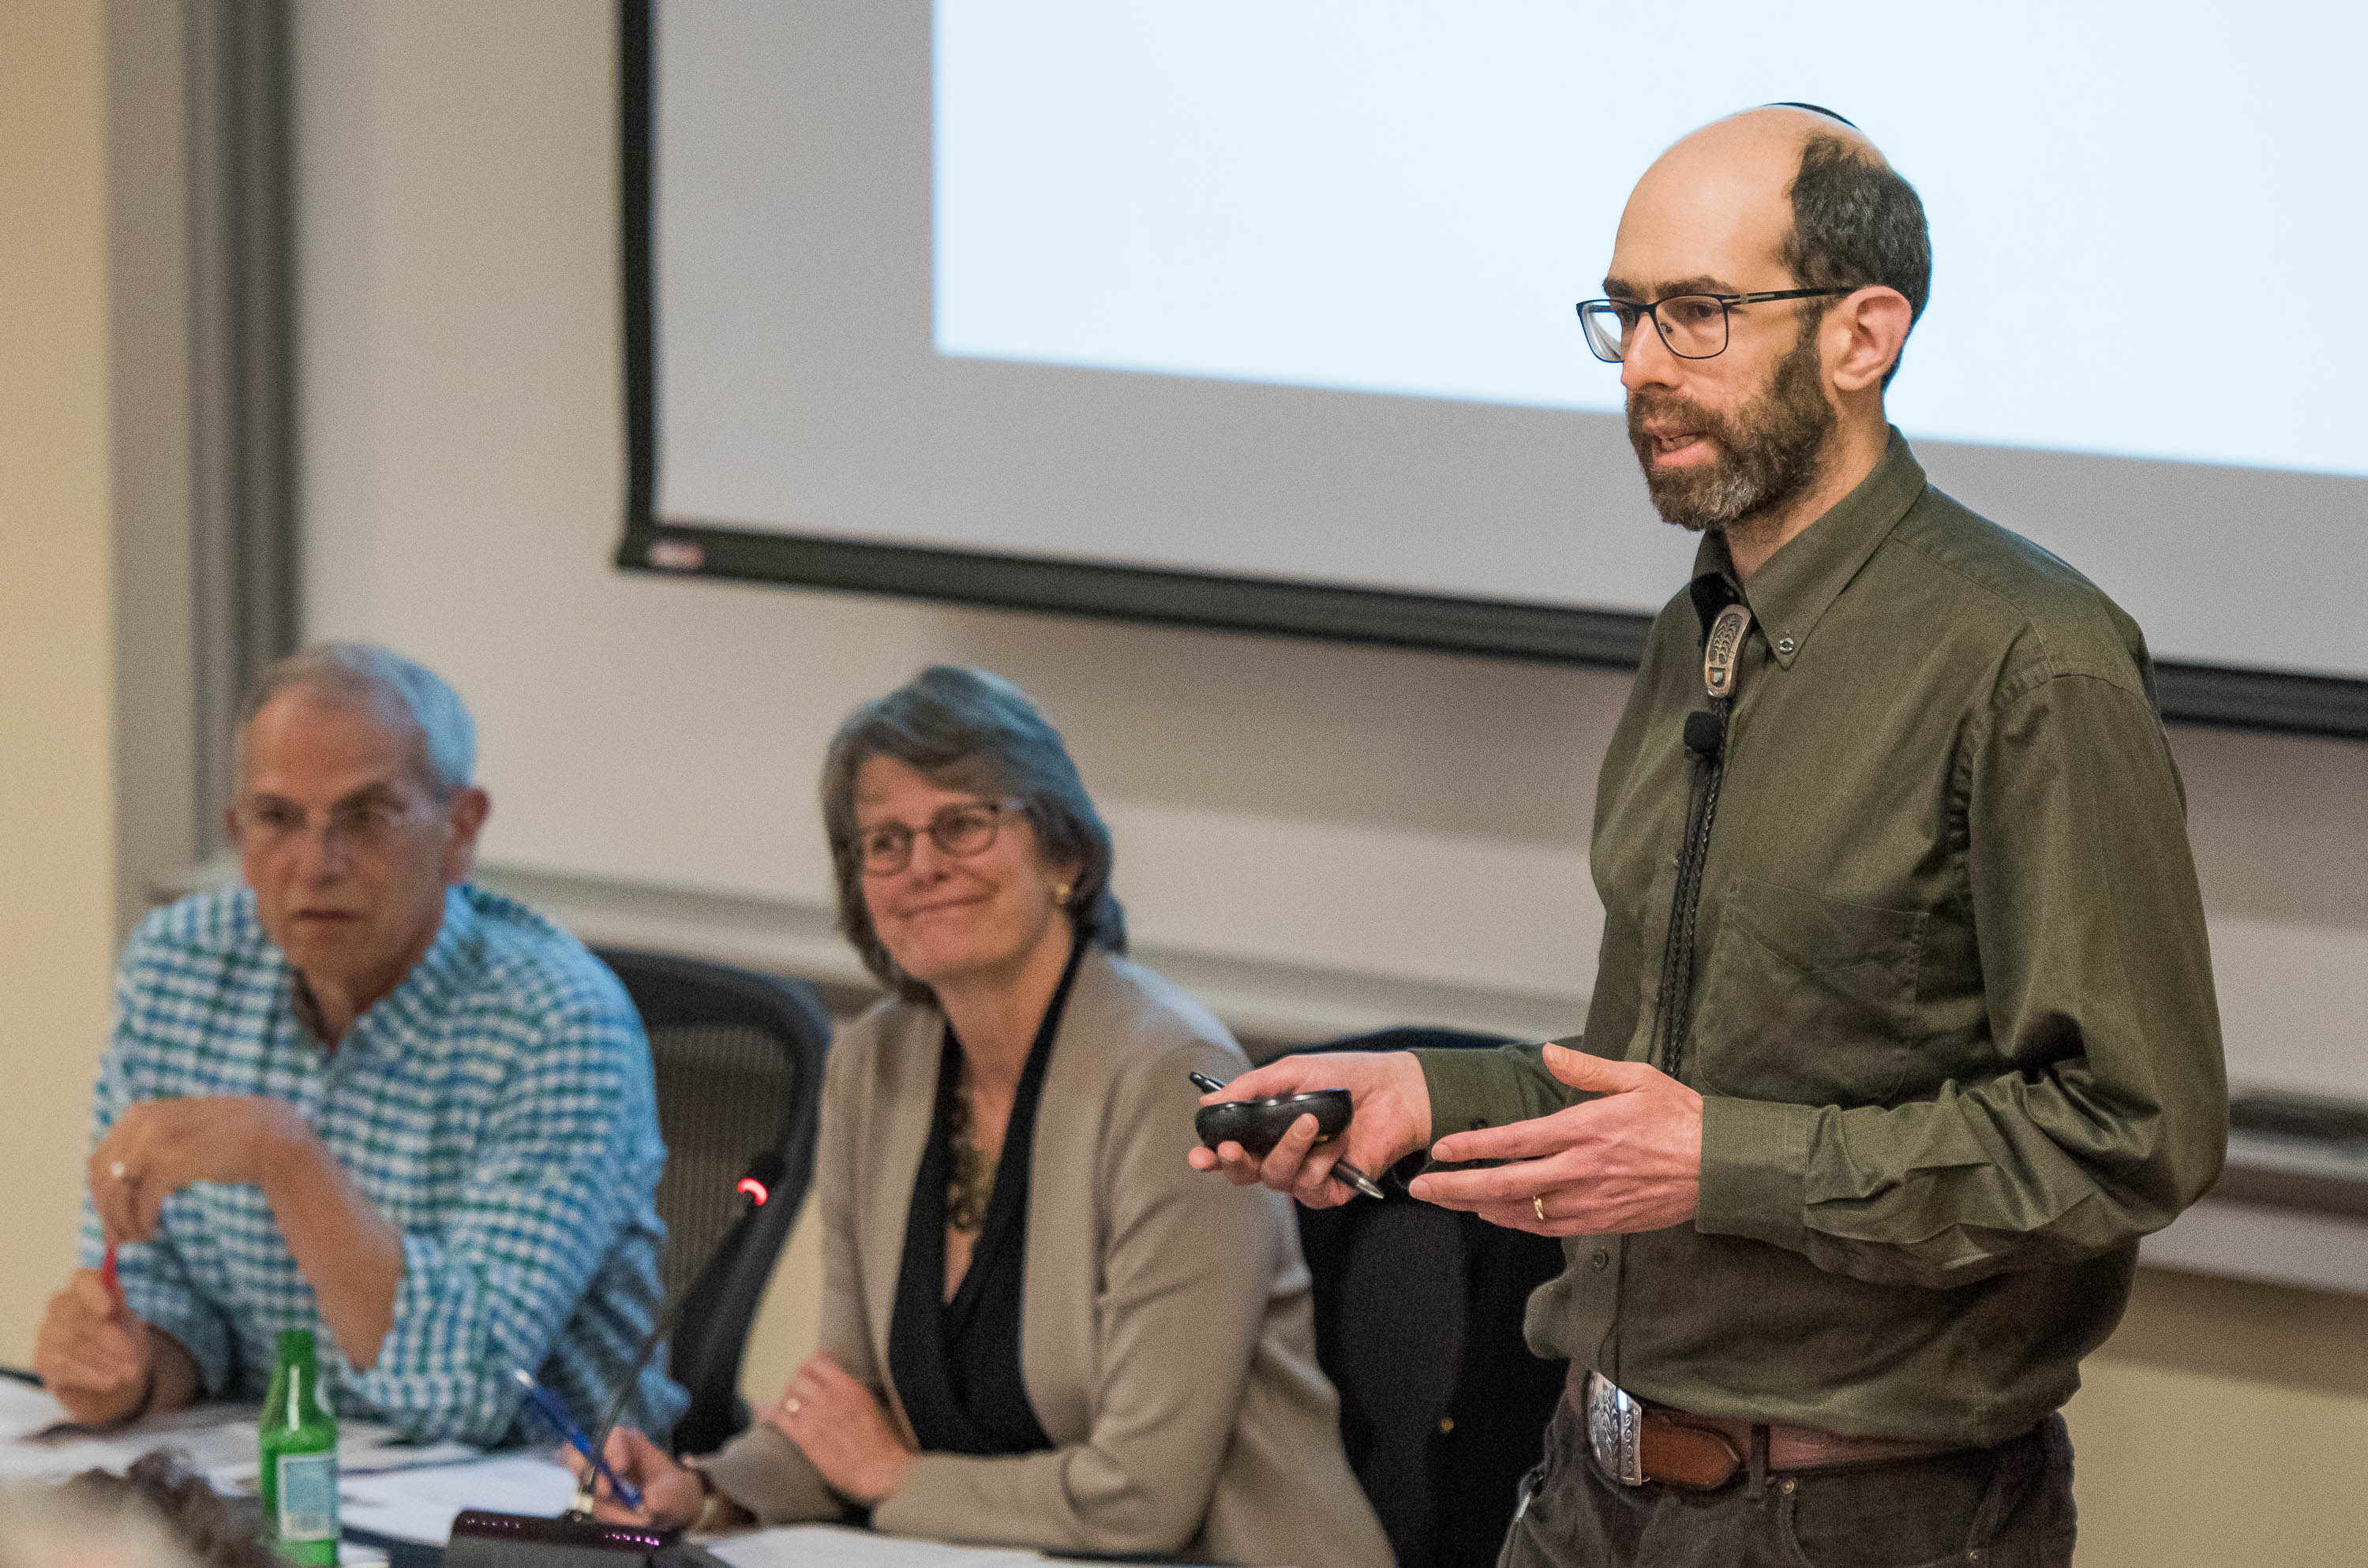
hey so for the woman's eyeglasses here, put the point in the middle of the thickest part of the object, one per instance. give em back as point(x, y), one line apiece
point(963, 830)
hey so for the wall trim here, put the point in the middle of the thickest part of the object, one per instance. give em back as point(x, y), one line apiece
point(1276, 1004)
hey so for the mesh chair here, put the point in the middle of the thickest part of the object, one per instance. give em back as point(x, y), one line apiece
point(1418, 1325)
point(739, 1062)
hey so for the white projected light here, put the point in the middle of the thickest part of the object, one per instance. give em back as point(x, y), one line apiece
point(1268, 303)
point(2141, 214)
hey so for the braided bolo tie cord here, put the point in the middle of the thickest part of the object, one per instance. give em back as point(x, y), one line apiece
point(1675, 1008)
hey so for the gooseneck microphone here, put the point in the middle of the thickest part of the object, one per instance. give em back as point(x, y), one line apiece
point(483, 1539)
point(764, 1173)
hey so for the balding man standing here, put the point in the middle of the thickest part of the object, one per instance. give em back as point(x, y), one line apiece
point(1903, 1031)
point(362, 1097)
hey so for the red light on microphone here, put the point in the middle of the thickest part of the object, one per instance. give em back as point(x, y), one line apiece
point(756, 1190)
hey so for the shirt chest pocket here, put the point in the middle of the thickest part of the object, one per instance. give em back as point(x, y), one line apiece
point(1806, 998)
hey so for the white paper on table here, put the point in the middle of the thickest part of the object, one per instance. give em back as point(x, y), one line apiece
point(364, 1448)
point(24, 1408)
point(400, 1456)
point(215, 1438)
point(837, 1546)
point(219, 1442)
point(420, 1504)
point(358, 1441)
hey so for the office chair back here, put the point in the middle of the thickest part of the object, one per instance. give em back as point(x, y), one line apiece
point(1418, 1325)
point(738, 1058)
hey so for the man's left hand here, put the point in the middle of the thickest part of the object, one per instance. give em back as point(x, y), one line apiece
point(842, 1431)
point(1629, 1161)
point(157, 1147)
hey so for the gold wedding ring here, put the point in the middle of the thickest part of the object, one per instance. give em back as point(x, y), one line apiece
point(116, 1170)
point(1538, 1202)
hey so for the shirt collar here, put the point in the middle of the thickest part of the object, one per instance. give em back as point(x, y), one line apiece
point(417, 1000)
point(1791, 591)
point(440, 969)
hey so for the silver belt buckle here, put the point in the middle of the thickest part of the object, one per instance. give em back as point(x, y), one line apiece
point(1615, 1425)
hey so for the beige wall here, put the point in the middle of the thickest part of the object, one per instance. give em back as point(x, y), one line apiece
point(57, 781)
point(2226, 1426)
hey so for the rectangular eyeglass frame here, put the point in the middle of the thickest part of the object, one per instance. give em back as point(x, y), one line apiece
point(1726, 301)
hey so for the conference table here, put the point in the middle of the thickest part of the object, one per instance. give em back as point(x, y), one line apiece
point(397, 1501)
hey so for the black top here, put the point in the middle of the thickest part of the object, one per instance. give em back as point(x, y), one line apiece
point(956, 1363)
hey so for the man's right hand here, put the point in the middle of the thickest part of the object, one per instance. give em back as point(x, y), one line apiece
point(1392, 1120)
point(92, 1354)
point(671, 1495)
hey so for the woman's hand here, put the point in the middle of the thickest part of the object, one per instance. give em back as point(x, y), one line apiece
point(671, 1495)
point(842, 1431)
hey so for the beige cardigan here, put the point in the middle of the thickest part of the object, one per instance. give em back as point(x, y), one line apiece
point(1166, 1332)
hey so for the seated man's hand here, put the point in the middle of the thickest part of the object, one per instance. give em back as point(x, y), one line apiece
point(157, 1147)
point(1628, 1161)
point(671, 1495)
point(94, 1357)
point(841, 1429)
point(1392, 1120)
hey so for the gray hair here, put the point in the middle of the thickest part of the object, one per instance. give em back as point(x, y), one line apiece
point(968, 729)
point(402, 693)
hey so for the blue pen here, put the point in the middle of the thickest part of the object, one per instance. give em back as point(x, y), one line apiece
point(556, 1413)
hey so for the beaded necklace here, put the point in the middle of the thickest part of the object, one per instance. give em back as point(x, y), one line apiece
point(970, 1176)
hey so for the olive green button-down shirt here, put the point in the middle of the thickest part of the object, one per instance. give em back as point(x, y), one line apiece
point(1953, 1016)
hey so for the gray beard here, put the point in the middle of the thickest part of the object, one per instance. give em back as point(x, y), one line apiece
point(1769, 451)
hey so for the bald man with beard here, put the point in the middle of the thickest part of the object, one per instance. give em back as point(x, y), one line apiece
point(1902, 1030)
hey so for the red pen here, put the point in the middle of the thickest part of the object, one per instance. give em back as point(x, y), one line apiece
point(107, 1276)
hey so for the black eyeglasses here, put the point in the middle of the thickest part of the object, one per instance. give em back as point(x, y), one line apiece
point(961, 830)
point(1692, 327)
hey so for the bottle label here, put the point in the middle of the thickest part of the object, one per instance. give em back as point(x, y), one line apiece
point(308, 1496)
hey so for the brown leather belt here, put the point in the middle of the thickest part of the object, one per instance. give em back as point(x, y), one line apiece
point(1637, 1442)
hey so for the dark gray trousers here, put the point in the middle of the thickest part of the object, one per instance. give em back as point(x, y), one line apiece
point(2009, 1506)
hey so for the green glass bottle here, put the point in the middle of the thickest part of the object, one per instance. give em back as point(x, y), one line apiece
point(298, 1449)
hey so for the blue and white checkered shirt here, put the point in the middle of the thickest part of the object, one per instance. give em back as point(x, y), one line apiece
point(496, 1108)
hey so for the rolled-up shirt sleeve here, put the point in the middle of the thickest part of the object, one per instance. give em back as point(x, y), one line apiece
point(486, 1288)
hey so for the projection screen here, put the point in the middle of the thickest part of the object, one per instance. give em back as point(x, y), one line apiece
point(1256, 314)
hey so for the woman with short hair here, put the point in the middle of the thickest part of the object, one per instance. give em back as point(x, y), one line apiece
point(1039, 1326)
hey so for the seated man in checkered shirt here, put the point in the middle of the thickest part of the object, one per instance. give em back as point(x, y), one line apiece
point(360, 1096)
